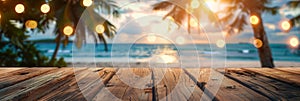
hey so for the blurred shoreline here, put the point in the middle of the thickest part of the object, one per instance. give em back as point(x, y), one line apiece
point(228, 64)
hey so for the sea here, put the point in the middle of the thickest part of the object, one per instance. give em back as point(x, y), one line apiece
point(166, 53)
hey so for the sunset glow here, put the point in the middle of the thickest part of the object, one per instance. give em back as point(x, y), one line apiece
point(212, 4)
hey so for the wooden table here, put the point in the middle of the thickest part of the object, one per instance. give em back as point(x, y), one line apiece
point(172, 84)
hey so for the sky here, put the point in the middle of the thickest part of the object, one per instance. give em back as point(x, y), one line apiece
point(139, 24)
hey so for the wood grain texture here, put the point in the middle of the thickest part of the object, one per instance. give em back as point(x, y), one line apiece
point(287, 77)
point(271, 88)
point(193, 84)
point(119, 88)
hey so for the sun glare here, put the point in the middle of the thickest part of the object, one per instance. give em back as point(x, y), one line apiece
point(212, 4)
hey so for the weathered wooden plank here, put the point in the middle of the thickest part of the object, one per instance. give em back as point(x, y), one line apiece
point(7, 70)
point(36, 86)
point(91, 85)
point(21, 75)
point(117, 89)
point(271, 88)
point(70, 89)
point(176, 85)
point(229, 90)
point(295, 70)
point(287, 77)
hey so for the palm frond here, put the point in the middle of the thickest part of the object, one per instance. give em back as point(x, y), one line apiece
point(293, 4)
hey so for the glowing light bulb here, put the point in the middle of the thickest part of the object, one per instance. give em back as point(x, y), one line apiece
point(87, 3)
point(100, 29)
point(257, 43)
point(254, 20)
point(220, 43)
point(285, 25)
point(294, 42)
point(20, 8)
point(195, 4)
point(45, 8)
point(31, 24)
point(68, 30)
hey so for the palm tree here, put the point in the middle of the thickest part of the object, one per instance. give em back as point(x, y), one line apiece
point(237, 22)
point(294, 5)
point(65, 12)
point(180, 10)
point(68, 12)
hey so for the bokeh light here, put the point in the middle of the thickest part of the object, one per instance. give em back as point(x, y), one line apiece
point(193, 22)
point(45, 8)
point(87, 3)
point(68, 30)
point(220, 43)
point(168, 58)
point(195, 4)
point(257, 43)
point(100, 29)
point(20, 8)
point(31, 24)
point(254, 20)
point(294, 42)
point(285, 25)
point(180, 40)
point(151, 38)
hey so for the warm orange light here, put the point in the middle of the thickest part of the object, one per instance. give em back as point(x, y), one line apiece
point(87, 3)
point(20, 8)
point(195, 4)
point(100, 29)
point(45, 8)
point(68, 30)
point(257, 43)
point(294, 42)
point(285, 25)
point(254, 20)
point(31, 24)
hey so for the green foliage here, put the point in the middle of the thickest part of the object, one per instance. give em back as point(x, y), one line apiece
point(294, 5)
point(17, 51)
point(236, 21)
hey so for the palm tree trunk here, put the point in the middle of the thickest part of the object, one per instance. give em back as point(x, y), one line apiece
point(56, 49)
point(264, 51)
